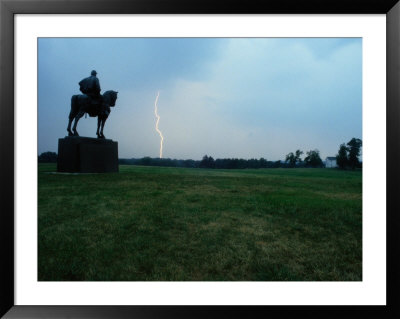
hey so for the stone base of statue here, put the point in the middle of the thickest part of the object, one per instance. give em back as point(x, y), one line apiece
point(78, 154)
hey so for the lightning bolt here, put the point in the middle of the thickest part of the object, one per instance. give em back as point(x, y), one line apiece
point(158, 120)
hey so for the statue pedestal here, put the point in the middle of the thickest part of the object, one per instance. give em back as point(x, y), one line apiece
point(87, 155)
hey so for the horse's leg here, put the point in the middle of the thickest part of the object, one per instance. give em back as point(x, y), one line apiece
point(71, 115)
point(98, 126)
point(69, 127)
point(77, 117)
point(102, 126)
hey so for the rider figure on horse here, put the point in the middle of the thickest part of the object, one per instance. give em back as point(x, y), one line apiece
point(91, 87)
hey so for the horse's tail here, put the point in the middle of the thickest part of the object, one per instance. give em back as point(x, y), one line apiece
point(74, 107)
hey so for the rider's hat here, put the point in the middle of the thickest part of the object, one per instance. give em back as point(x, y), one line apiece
point(93, 72)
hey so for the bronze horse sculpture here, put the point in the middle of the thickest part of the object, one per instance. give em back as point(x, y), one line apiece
point(82, 103)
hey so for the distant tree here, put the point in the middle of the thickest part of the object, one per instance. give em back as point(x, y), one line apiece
point(146, 161)
point(348, 154)
point(253, 163)
point(242, 163)
point(207, 162)
point(341, 158)
point(313, 159)
point(234, 163)
point(47, 157)
point(354, 148)
point(211, 162)
point(292, 159)
point(204, 162)
point(189, 163)
point(263, 163)
point(277, 164)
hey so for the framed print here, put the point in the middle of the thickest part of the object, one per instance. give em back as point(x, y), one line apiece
point(168, 231)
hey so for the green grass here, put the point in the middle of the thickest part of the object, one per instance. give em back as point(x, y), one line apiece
point(154, 223)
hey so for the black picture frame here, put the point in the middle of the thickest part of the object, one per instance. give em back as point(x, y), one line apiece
point(8, 8)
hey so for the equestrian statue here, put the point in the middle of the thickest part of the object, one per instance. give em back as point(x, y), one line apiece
point(92, 103)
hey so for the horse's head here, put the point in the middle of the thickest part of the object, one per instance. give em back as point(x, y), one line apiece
point(110, 97)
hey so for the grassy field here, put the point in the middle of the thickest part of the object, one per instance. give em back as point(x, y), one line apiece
point(153, 223)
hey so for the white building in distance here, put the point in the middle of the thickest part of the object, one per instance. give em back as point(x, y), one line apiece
point(330, 162)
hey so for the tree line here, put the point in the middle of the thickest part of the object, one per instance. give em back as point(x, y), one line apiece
point(312, 159)
point(205, 162)
point(47, 157)
point(347, 158)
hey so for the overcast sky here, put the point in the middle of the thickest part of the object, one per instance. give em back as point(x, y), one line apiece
point(233, 97)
